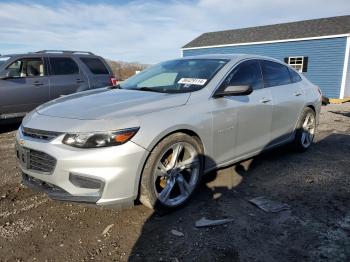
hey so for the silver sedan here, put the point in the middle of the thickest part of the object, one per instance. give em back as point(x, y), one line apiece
point(153, 137)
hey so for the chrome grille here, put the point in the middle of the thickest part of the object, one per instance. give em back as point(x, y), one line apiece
point(39, 134)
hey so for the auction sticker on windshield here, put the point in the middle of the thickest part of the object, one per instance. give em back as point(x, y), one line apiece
point(192, 81)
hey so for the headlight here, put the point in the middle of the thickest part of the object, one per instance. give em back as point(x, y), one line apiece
point(100, 139)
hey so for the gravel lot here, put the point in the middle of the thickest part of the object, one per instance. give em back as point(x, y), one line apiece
point(315, 184)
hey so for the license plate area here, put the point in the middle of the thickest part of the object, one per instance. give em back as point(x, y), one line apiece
point(23, 156)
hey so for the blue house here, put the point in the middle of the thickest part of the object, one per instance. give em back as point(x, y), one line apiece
point(318, 48)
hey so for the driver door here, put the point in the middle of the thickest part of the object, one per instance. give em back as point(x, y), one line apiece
point(26, 87)
point(242, 124)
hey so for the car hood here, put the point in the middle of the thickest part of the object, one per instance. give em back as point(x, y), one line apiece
point(110, 104)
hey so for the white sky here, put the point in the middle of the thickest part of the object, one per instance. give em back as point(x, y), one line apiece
point(143, 31)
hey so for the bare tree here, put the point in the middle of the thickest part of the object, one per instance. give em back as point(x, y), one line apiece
point(124, 70)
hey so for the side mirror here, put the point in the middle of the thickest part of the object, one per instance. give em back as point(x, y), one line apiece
point(5, 74)
point(234, 91)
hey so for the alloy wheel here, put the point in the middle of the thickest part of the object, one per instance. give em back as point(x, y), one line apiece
point(176, 174)
point(308, 130)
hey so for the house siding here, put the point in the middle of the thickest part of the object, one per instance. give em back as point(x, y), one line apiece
point(325, 63)
point(347, 81)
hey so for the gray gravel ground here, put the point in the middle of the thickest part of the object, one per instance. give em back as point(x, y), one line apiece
point(315, 184)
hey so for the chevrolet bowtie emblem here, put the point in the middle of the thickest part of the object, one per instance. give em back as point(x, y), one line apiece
point(21, 142)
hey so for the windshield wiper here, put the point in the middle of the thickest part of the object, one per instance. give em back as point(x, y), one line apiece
point(115, 87)
point(144, 88)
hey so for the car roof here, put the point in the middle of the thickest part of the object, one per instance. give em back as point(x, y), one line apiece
point(53, 53)
point(235, 57)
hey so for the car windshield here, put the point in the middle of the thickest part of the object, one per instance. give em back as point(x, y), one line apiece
point(176, 76)
point(3, 59)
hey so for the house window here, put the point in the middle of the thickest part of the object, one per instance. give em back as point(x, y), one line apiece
point(299, 63)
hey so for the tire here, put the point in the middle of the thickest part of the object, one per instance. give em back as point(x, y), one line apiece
point(163, 177)
point(305, 131)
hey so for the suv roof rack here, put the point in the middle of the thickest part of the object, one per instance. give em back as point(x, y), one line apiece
point(64, 52)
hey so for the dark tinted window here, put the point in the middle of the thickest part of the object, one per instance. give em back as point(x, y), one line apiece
point(63, 66)
point(275, 74)
point(295, 77)
point(246, 73)
point(95, 65)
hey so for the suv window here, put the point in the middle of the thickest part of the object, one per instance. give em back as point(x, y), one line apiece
point(95, 65)
point(3, 59)
point(246, 73)
point(295, 77)
point(27, 67)
point(63, 66)
point(275, 74)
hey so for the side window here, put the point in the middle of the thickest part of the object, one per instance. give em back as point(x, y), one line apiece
point(3, 59)
point(295, 77)
point(275, 74)
point(246, 73)
point(15, 68)
point(27, 67)
point(95, 65)
point(63, 66)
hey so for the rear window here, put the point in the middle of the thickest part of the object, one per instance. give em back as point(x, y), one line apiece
point(275, 74)
point(63, 66)
point(95, 65)
point(295, 77)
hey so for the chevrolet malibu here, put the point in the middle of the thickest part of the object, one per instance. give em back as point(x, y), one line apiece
point(152, 137)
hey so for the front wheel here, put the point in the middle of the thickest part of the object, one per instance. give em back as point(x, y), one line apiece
point(172, 172)
point(305, 132)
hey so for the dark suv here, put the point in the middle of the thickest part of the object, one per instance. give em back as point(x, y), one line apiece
point(28, 80)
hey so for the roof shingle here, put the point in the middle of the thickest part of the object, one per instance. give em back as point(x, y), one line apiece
point(301, 29)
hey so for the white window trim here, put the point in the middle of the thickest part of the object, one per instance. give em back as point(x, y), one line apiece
point(268, 42)
point(345, 69)
point(296, 57)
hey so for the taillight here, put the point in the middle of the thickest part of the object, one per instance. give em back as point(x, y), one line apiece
point(113, 80)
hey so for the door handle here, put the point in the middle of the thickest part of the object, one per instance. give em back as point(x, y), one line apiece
point(80, 81)
point(265, 100)
point(37, 84)
point(297, 94)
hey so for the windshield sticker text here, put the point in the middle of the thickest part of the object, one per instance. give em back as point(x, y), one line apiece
point(192, 81)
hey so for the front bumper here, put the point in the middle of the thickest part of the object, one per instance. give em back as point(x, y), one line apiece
point(56, 192)
point(104, 176)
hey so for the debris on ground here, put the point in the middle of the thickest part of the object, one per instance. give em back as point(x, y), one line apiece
point(107, 229)
point(177, 233)
point(268, 205)
point(315, 184)
point(204, 222)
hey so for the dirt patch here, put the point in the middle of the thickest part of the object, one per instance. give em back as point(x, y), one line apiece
point(315, 185)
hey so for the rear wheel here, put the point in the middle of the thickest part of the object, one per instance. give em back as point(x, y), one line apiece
point(305, 132)
point(172, 172)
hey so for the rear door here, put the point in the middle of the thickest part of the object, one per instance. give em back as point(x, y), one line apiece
point(65, 77)
point(26, 88)
point(242, 124)
point(287, 96)
point(100, 74)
